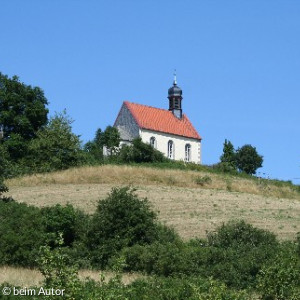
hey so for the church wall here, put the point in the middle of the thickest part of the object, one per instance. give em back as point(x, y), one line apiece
point(127, 122)
point(162, 140)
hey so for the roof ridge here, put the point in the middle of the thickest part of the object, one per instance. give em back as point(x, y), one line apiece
point(126, 101)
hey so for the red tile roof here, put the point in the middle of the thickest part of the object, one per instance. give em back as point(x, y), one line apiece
point(162, 120)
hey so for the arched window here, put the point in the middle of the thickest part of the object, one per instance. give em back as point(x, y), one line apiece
point(153, 142)
point(170, 149)
point(187, 152)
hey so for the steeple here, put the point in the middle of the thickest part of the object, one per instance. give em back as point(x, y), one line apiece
point(175, 98)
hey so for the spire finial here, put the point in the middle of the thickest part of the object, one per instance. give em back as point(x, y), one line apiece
point(175, 80)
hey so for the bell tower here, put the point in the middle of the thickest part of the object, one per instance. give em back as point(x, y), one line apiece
point(175, 98)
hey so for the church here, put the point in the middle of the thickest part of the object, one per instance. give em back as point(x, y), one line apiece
point(167, 130)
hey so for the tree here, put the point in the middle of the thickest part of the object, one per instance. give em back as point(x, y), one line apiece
point(94, 148)
point(22, 113)
point(22, 108)
point(55, 146)
point(248, 160)
point(229, 155)
point(111, 139)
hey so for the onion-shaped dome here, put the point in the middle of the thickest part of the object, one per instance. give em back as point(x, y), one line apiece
point(175, 90)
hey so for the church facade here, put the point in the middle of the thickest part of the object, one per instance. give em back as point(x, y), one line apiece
point(169, 131)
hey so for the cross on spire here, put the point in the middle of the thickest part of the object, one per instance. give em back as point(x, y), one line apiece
point(175, 79)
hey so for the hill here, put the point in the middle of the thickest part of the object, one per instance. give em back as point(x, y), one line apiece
point(193, 202)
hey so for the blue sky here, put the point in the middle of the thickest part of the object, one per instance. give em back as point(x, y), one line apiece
point(238, 64)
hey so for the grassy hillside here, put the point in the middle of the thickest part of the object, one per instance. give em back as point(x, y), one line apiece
point(191, 201)
point(135, 175)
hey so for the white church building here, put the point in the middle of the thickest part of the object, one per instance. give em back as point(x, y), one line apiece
point(167, 130)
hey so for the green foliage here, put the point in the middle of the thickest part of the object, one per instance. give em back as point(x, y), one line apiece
point(124, 234)
point(140, 152)
point(162, 259)
point(3, 189)
point(280, 279)
point(21, 233)
point(121, 220)
point(23, 229)
point(248, 160)
point(109, 138)
point(56, 268)
point(4, 163)
point(236, 233)
point(71, 223)
point(190, 288)
point(94, 148)
point(23, 108)
point(228, 158)
point(16, 146)
point(238, 251)
point(55, 147)
point(203, 180)
point(234, 254)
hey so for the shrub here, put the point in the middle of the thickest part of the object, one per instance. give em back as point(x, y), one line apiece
point(280, 279)
point(159, 259)
point(140, 152)
point(4, 189)
point(67, 220)
point(237, 253)
point(21, 233)
point(203, 180)
point(121, 220)
point(224, 167)
point(236, 233)
point(190, 288)
point(58, 273)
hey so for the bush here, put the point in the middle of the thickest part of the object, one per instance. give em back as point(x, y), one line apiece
point(224, 167)
point(159, 259)
point(140, 152)
point(21, 233)
point(121, 220)
point(234, 254)
point(280, 279)
point(4, 189)
point(189, 288)
point(203, 180)
point(67, 220)
point(58, 273)
point(236, 233)
point(237, 253)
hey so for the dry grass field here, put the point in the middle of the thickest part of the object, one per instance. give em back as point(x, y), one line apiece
point(29, 277)
point(191, 208)
point(133, 175)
